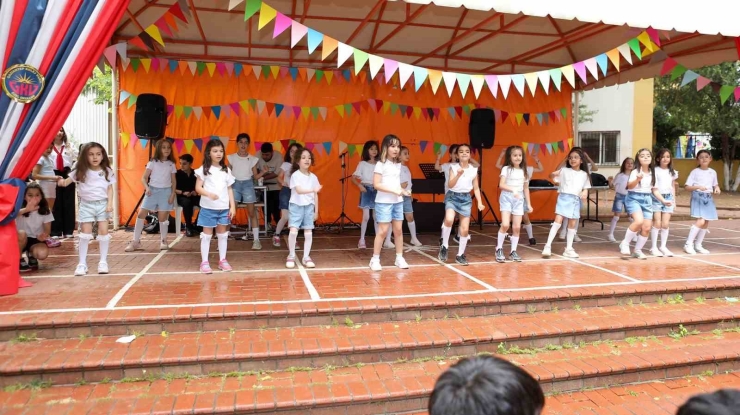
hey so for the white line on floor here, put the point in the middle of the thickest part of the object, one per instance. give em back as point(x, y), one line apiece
point(307, 281)
point(709, 241)
point(455, 269)
point(116, 298)
point(694, 258)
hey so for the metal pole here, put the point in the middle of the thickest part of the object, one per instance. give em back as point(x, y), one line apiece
point(114, 139)
point(577, 105)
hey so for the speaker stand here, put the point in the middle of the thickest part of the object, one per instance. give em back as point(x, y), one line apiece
point(481, 214)
point(141, 198)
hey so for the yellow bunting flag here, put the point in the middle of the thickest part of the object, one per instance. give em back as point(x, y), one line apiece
point(125, 137)
point(146, 63)
point(211, 68)
point(188, 145)
point(267, 14)
point(153, 31)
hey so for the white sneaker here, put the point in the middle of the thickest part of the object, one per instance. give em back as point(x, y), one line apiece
point(624, 248)
point(375, 265)
point(163, 246)
point(639, 255)
point(576, 238)
point(416, 242)
point(570, 253)
point(561, 237)
point(401, 263)
point(81, 270)
point(245, 237)
point(546, 252)
point(133, 246)
point(611, 238)
point(256, 245)
point(666, 252)
point(389, 245)
point(689, 249)
point(656, 252)
point(700, 249)
point(103, 268)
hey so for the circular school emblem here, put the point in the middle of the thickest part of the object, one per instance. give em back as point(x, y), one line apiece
point(22, 83)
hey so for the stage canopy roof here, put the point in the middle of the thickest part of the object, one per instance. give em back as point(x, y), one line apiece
point(467, 36)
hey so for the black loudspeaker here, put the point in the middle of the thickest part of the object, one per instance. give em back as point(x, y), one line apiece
point(482, 129)
point(150, 120)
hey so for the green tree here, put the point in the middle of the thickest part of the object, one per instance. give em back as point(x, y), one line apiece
point(681, 109)
point(584, 114)
point(99, 86)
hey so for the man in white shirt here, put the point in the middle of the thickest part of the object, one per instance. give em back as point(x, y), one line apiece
point(273, 160)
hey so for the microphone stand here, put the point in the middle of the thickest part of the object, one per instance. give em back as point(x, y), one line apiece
point(340, 221)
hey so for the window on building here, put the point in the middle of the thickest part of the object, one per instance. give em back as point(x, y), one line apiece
point(601, 146)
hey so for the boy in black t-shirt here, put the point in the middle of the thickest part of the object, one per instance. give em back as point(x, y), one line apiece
point(187, 198)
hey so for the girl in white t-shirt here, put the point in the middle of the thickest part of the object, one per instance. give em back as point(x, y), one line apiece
point(34, 227)
point(159, 184)
point(574, 182)
point(304, 206)
point(284, 198)
point(619, 184)
point(95, 180)
point(217, 207)
point(445, 168)
point(526, 222)
point(43, 173)
point(514, 185)
point(463, 177)
point(389, 200)
point(665, 181)
point(408, 206)
point(244, 168)
point(641, 189)
point(363, 179)
point(702, 183)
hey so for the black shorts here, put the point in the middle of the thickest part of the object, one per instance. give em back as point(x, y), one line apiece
point(31, 242)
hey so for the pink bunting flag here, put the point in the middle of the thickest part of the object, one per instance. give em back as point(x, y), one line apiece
point(179, 144)
point(580, 68)
point(297, 112)
point(284, 70)
point(654, 36)
point(229, 67)
point(310, 146)
point(737, 94)
point(701, 82)
point(155, 64)
point(282, 22)
point(225, 111)
point(221, 68)
point(668, 66)
point(235, 107)
point(296, 33)
point(390, 66)
point(110, 55)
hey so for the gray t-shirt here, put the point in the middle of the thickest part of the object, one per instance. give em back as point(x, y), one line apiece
point(274, 167)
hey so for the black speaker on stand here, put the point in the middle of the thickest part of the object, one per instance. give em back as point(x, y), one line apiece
point(150, 123)
point(482, 133)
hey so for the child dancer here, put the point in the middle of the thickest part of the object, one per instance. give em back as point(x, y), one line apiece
point(526, 223)
point(363, 179)
point(702, 182)
point(572, 173)
point(389, 200)
point(34, 226)
point(44, 174)
point(592, 167)
point(619, 184)
point(304, 206)
point(217, 206)
point(244, 168)
point(463, 179)
point(514, 185)
point(408, 207)
point(284, 179)
point(665, 181)
point(95, 180)
point(639, 203)
point(160, 184)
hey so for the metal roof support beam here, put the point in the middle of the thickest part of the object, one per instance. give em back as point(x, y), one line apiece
point(400, 27)
point(459, 37)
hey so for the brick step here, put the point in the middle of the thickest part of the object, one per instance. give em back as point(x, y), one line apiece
point(391, 388)
point(66, 361)
point(154, 320)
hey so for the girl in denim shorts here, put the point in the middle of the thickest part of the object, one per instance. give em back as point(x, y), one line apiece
point(363, 179)
point(665, 181)
point(286, 170)
point(619, 184)
point(304, 206)
point(641, 189)
point(244, 168)
point(159, 184)
point(574, 179)
point(514, 185)
point(702, 183)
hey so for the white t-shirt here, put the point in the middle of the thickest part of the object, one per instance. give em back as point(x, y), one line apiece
point(241, 167)
point(620, 183)
point(95, 187)
point(465, 182)
point(217, 181)
point(47, 166)
point(286, 167)
point(645, 185)
point(406, 177)
point(572, 182)
point(706, 178)
point(161, 173)
point(298, 179)
point(365, 171)
point(33, 224)
point(391, 178)
point(514, 178)
point(664, 180)
point(446, 169)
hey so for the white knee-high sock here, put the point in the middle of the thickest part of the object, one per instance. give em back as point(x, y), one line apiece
point(256, 233)
point(570, 236)
point(528, 228)
point(82, 249)
point(412, 230)
point(363, 224)
point(654, 237)
point(500, 240)
point(641, 240)
point(223, 240)
point(553, 232)
point(613, 225)
point(446, 236)
point(103, 245)
point(514, 242)
point(692, 235)
point(281, 224)
point(307, 241)
point(564, 231)
point(629, 235)
point(163, 228)
point(205, 246)
point(663, 238)
point(138, 227)
point(700, 236)
point(462, 245)
point(292, 238)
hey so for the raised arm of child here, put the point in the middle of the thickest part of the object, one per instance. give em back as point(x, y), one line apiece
point(36, 175)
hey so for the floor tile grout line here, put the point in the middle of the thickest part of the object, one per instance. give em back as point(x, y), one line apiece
point(489, 287)
point(119, 295)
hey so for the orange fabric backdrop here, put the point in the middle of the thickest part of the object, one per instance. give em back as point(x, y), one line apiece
point(206, 90)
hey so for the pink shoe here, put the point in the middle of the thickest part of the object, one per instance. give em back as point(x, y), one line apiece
point(224, 266)
point(53, 243)
point(205, 268)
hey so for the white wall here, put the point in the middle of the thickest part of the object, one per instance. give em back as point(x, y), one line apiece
point(88, 122)
point(615, 106)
